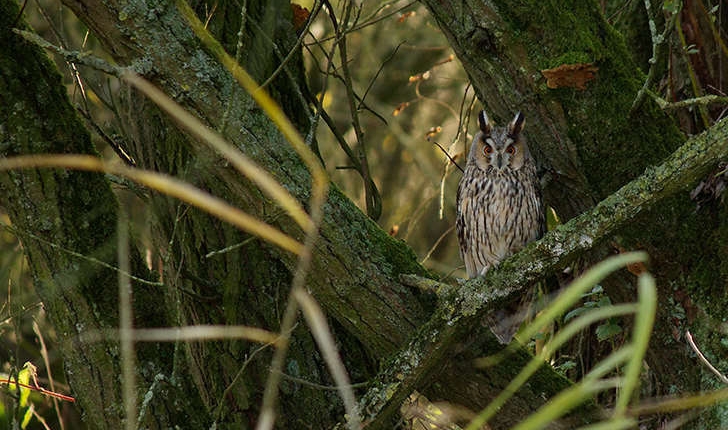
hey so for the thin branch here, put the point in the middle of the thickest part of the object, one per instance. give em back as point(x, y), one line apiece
point(437, 243)
point(295, 49)
point(308, 383)
point(221, 403)
point(379, 71)
point(444, 151)
point(49, 372)
point(329, 56)
point(110, 140)
point(238, 56)
point(694, 80)
point(704, 360)
point(322, 334)
point(657, 40)
point(26, 234)
point(371, 194)
point(371, 20)
point(687, 103)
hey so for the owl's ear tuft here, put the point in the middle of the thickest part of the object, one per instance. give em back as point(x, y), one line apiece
point(484, 122)
point(516, 126)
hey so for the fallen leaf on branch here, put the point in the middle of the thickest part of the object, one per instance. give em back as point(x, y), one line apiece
point(300, 16)
point(570, 75)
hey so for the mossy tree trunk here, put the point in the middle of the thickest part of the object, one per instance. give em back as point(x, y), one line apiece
point(591, 143)
point(586, 139)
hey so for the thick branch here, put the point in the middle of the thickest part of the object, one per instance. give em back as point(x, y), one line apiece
point(461, 309)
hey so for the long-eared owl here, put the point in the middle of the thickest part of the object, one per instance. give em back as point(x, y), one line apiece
point(499, 204)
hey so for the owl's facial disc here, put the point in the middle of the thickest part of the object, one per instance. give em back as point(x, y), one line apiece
point(498, 156)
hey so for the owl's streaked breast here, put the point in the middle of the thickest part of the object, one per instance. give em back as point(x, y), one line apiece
point(498, 213)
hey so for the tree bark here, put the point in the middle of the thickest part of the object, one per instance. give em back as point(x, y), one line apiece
point(57, 214)
point(591, 144)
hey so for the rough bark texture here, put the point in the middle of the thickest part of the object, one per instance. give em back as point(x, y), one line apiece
point(57, 211)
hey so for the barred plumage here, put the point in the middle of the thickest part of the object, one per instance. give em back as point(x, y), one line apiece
point(499, 205)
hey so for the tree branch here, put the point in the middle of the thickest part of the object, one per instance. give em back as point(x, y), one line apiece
point(460, 309)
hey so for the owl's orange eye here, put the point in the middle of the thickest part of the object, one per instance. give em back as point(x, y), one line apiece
point(487, 150)
point(511, 150)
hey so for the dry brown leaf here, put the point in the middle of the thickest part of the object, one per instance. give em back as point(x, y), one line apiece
point(300, 15)
point(400, 108)
point(403, 17)
point(570, 75)
point(432, 132)
point(635, 268)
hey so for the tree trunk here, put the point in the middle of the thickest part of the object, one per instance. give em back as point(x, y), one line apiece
point(591, 144)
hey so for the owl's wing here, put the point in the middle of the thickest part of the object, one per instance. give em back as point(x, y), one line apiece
point(542, 211)
point(460, 222)
point(465, 224)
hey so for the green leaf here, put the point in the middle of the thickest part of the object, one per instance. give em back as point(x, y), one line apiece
point(574, 313)
point(607, 331)
point(24, 378)
point(604, 301)
point(26, 418)
point(567, 365)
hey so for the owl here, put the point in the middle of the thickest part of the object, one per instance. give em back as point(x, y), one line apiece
point(499, 204)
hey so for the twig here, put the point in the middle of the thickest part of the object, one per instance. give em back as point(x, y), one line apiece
point(379, 70)
point(371, 20)
point(322, 334)
point(221, 402)
point(704, 360)
point(448, 156)
point(16, 232)
point(699, 101)
point(657, 40)
point(373, 201)
point(47, 363)
point(116, 146)
point(75, 74)
point(338, 76)
point(437, 243)
point(314, 11)
point(238, 53)
point(38, 389)
point(308, 383)
point(694, 80)
point(73, 56)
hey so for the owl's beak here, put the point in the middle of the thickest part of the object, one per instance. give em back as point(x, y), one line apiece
point(499, 161)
